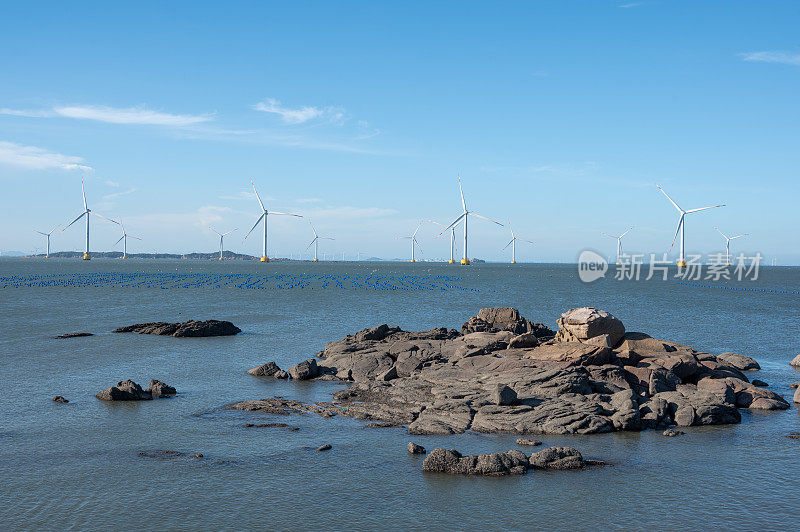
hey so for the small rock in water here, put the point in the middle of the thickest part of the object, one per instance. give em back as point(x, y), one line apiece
point(124, 391)
point(794, 385)
point(512, 462)
point(795, 361)
point(528, 441)
point(673, 432)
point(413, 448)
point(557, 458)
point(160, 389)
point(197, 455)
point(305, 370)
point(325, 447)
point(794, 435)
point(381, 425)
point(796, 398)
point(265, 370)
point(163, 455)
point(60, 399)
point(191, 328)
point(73, 335)
point(756, 382)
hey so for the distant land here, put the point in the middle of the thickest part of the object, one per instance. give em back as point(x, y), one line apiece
point(227, 255)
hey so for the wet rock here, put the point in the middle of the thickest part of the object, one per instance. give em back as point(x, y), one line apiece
point(305, 370)
point(124, 391)
point(589, 325)
point(413, 448)
point(450, 461)
point(672, 433)
point(73, 335)
point(503, 395)
point(528, 442)
point(740, 362)
point(192, 328)
point(161, 454)
point(264, 370)
point(796, 397)
point(197, 455)
point(160, 389)
point(281, 375)
point(60, 399)
point(557, 458)
point(325, 447)
point(757, 382)
point(795, 362)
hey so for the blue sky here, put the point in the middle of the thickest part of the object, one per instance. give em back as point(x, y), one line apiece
point(559, 116)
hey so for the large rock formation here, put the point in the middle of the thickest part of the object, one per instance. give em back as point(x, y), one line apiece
point(190, 328)
point(592, 377)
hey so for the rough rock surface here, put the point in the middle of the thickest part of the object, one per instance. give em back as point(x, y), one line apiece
point(512, 462)
point(592, 377)
point(557, 458)
point(190, 328)
point(413, 448)
point(124, 391)
point(528, 442)
point(795, 362)
point(796, 398)
point(60, 399)
point(160, 389)
point(264, 370)
point(73, 335)
point(740, 362)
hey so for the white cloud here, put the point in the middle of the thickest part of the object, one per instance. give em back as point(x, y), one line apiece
point(299, 115)
point(785, 58)
point(631, 4)
point(129, 115)
point(35, 158)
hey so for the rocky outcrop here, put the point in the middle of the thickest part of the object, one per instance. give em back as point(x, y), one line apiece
point(588, 325)
point(795, 362)
point(504, 319)
point(740, 362)
point(190, 328)
point(592, 377)
point(130, 391)
point(413, 448)
point(73, 335)
point(60, 399)
point(265, 370)
point(450, 461)
point(557, 458)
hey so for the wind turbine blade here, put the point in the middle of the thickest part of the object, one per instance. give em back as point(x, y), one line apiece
point(45, 234)
point(134, 237)
point(723, 234)
point(402, 237)
point(83, 191)
point(680, 223)
point(258, 197)
point(485, 218)
point(120, 240)
point(626, 232)
point(254, 226)
point(739, 236)
point(312, 228)
point(453, 224)
point(435, 222)
point(612, 236)
point(415, 230)
point(285, 214)
point(75, 220)
point(312, 243)
point(326, 238)
point(214, 230)
point(229, 232)
point(461, 191)
point(53, 229)
point(528, 241)
point(703, 208)
point(509, 243)
point(414, 240)
point(104, 217)
point(670, 199)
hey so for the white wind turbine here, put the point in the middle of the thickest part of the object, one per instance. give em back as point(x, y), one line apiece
point(413, 239)
point(264, 215)
point(86, 212)
point(124, 240)
point(48, 240)
point(513, 244)
point(452, 240)
point(728, 245)
point(619, 242)
point(465, 216)
point(316, 240)
point(681, 229)
point(221, 236)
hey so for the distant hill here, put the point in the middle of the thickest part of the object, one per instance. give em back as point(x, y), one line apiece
point(228, 255)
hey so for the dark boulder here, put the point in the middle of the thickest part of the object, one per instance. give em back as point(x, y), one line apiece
point(60, 399)
point(503, 395)
point(512, 462)
point(264, 370)
point(325, 447)
point(160, 389)
point(413, 448)
point(557, 458)
point(305, 370)
point(73, 335)
point(192, 328)
point(124, 391)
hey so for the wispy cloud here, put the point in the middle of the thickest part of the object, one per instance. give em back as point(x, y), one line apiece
point(630, 4)
point(36, 158)
point(115, 195)
point(113, 115)
point(299, 115)
point(349, 212)
point(785, 58)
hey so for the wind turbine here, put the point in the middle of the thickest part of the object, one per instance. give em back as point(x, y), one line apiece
point(124, 240)
point(264, 214)
point(619, 242)
point(413, 239)
point(728, 245)
point(221, 236)
point(464, 216)
point(452, 240)
point(48, 240)
point(681, 228)
point(513, 244)
point(316, 240)
point(86, 212)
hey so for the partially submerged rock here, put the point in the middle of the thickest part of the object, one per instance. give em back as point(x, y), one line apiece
point(130, 391)
point(796, 397)
point(160, 389)
point(325, 447)
point(591, 377)
point(264, 370)
point(60, 399)
point(672, 433)
point(557, 458)
point(512, 462)
point(528, 442)
point(740, 362)
point(795, 362)
point(73, 335)
point(192, 328)
point(413, 448)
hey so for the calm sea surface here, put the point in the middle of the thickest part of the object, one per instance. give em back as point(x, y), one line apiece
point(76, 466)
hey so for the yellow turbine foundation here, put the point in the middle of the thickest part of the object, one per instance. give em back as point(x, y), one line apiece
point(86, 256)
point(264, 259)
point(681, 264)
point(465, 262)
point(451, 261)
